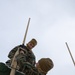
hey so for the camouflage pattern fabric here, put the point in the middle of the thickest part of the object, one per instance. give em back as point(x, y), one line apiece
point(21, 58)
point(29, 69)
point(30, 57)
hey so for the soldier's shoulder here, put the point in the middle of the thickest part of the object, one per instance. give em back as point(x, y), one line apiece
point(5, 70)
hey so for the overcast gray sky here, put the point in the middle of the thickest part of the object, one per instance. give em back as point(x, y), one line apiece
point(52, 24)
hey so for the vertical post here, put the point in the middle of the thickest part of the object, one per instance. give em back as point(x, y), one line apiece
point(70, 53)
point(26, 31)
point(14, 62)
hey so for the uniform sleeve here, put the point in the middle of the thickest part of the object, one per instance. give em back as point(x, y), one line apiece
point(12, 52)
point(31, 58)
point(21, 58)
point(29, 69)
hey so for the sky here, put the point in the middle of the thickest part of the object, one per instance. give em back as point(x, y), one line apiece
point(52, 24)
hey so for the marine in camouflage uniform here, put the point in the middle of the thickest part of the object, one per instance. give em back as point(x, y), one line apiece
point(42, 67)
point(25, 55)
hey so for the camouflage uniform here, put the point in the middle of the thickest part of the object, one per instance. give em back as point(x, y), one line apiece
point(42, 67)
point(28, 56)
point(31, 70)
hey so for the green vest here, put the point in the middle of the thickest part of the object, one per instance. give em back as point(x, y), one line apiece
point(4, 70)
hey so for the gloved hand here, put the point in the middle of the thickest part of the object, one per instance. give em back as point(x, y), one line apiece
point(21, 58)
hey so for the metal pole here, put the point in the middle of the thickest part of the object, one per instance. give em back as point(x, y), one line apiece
point(26, 31)
point(14, 62)
point(70, 53)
